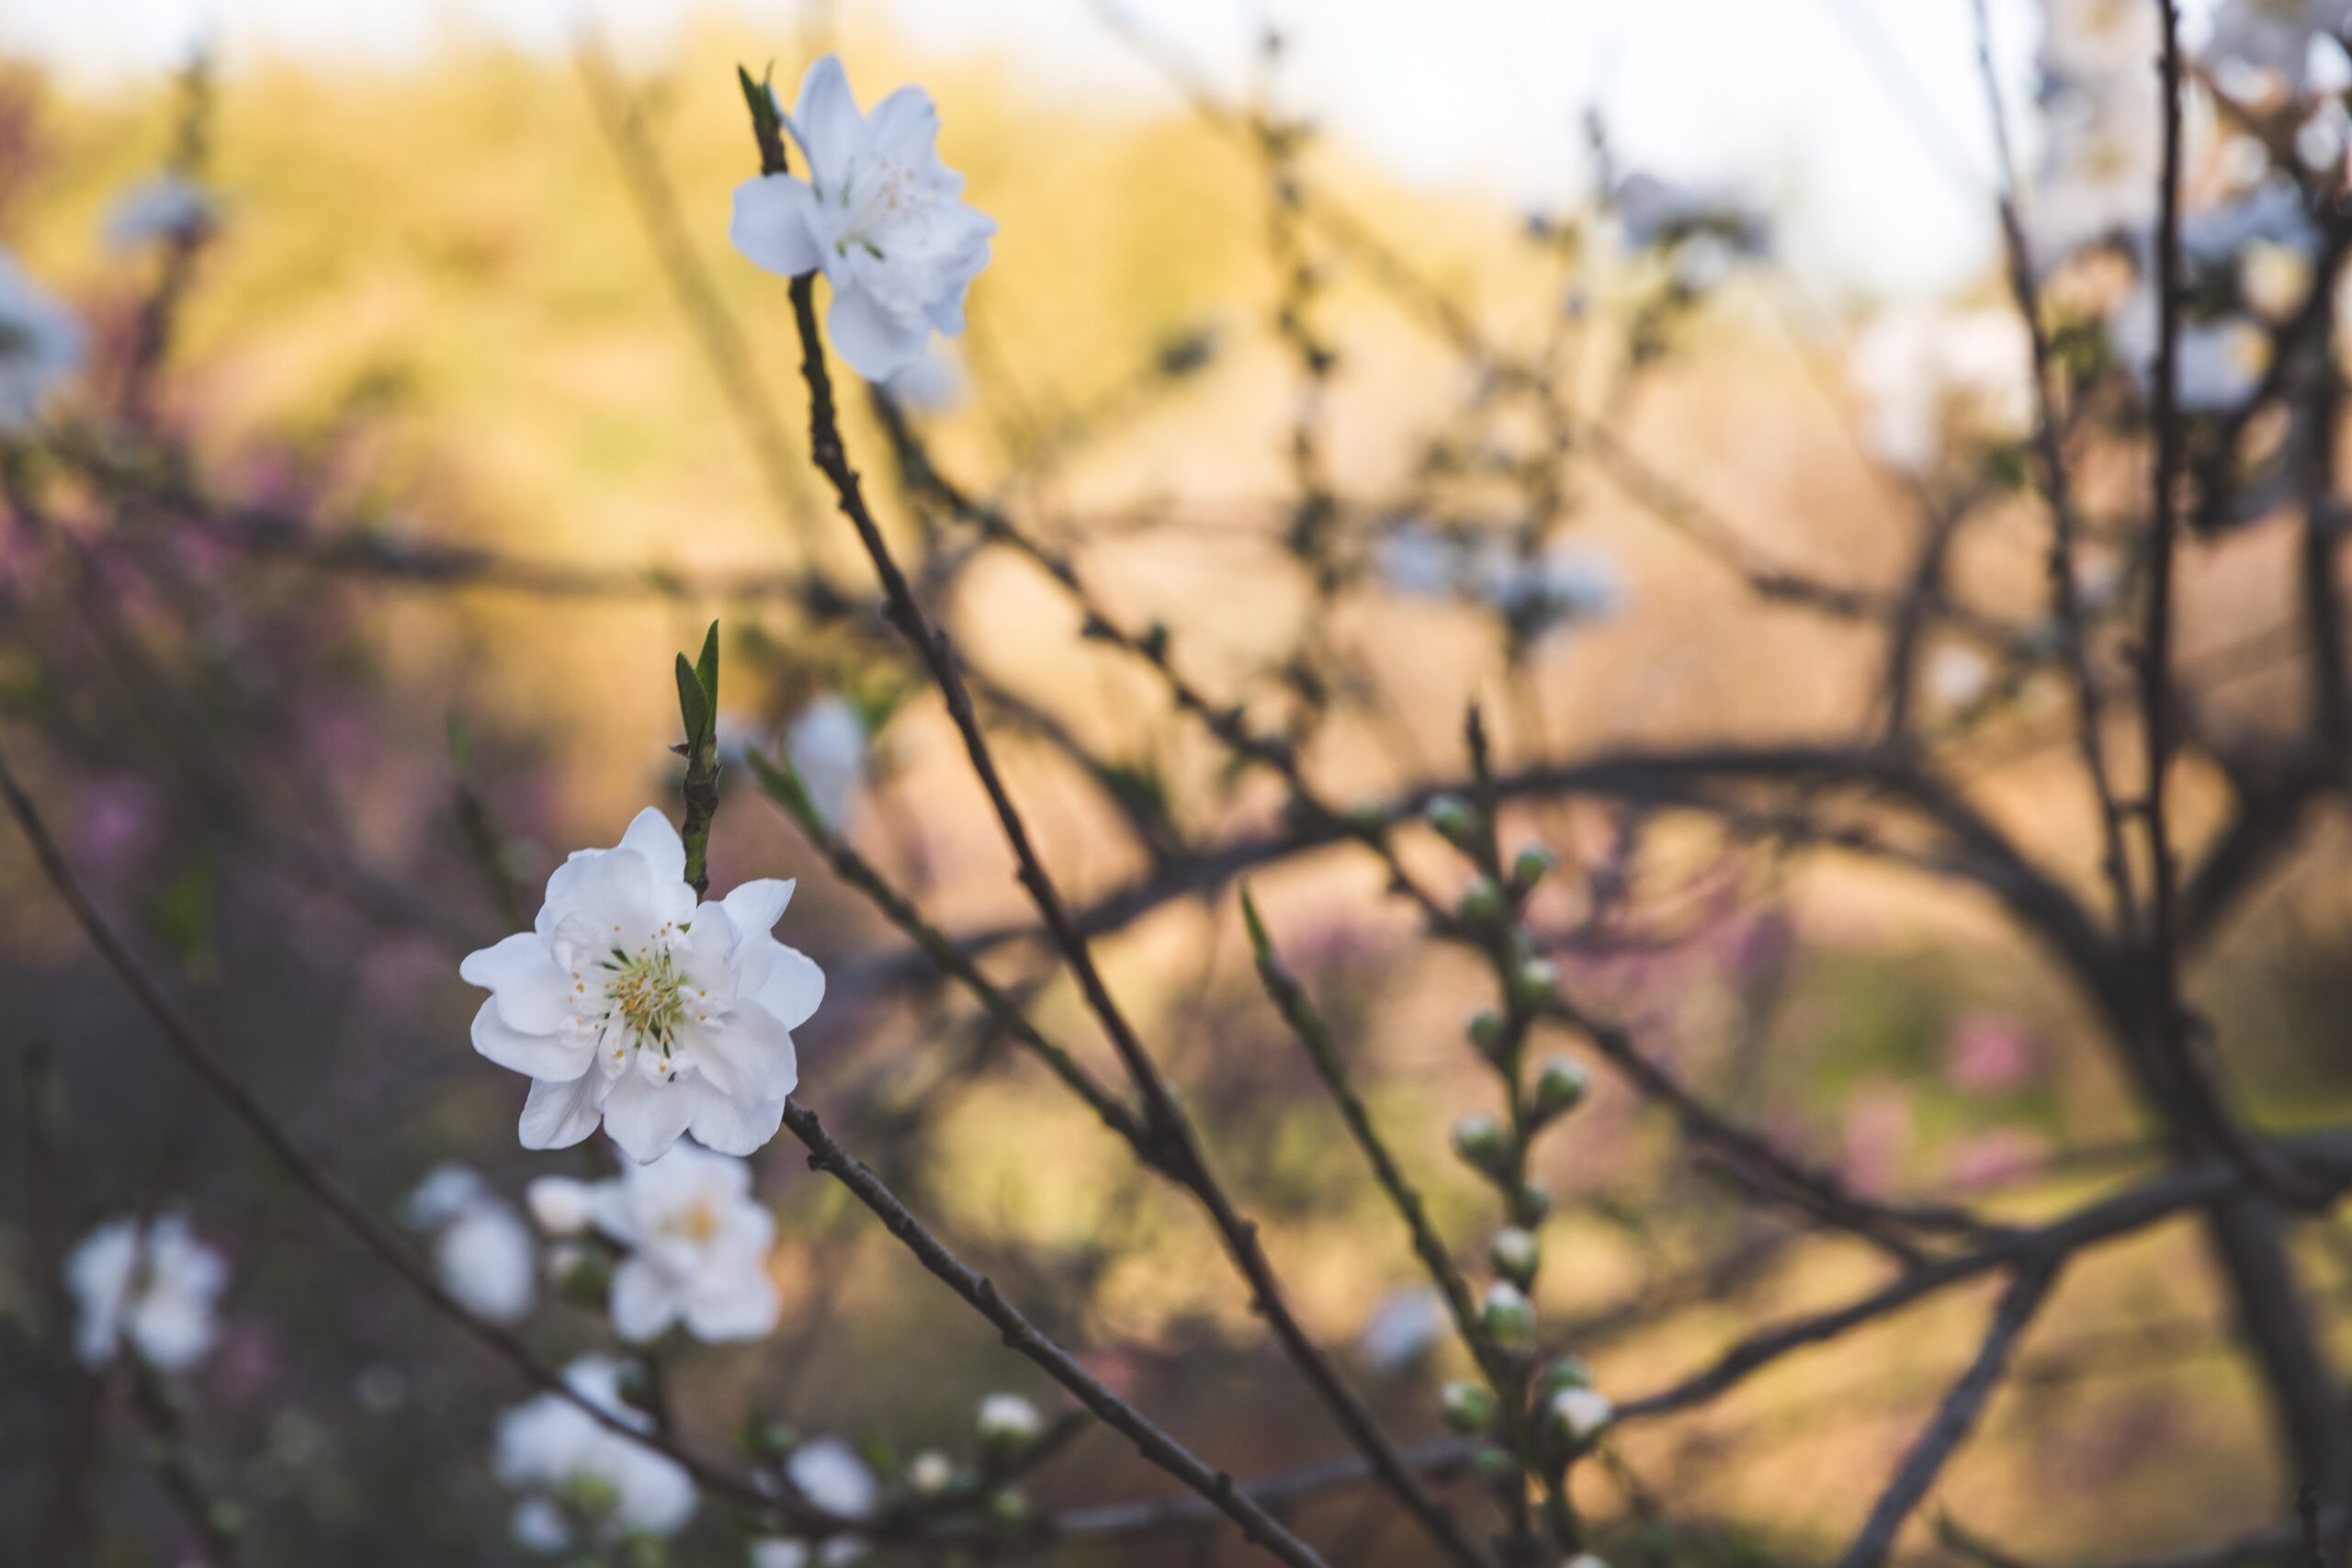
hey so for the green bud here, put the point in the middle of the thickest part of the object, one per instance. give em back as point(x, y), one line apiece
point(1481, 1142)
point(1508, 1317)
point(1568, 1373)
point(1481, 903)
point(1534, 1205)
point(1534, 985)
point(1494, 1463)
point(1531, 865)
point(1467, 1407)
point(767, 1438)
point(1452, 818)
point(1007, 1506)
point(1576, 1415)
point(1559, 1088)
point(1488, 1032)
point(930, 1473)
point(583, 1276)
point(1516, 1254)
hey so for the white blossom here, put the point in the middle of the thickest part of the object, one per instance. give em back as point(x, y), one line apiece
point(1655, 211)
point(1007, 1420)
point(481, 1249)
point(167, 207)
point(484, 1257)
point(878, 213)
point(2294, 44)
point(2102, 132)
point(154, 1287)
point(2217, 363)
point(549, 1447)
point(780, 1552)
point(934, 384)
point(697, 1247)
point(629, 1003)
point(1403, 1328)
point(40, 347)
point(827, 1472)
point(1582, 1411)
point(1958, 674)
point(930, 1472)
point(1924, 370)
point(828, 747)
point(560, 1205)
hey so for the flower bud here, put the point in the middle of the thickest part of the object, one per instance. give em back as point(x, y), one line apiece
point(1008, 1423)
point(1007, 1506)
point(1534, 1205)
point(1488, 1032)
point(1559, 1088)
point(1508, 1318)
point(1515, 1254)
point(1568, 1373)
point(1481, 1142)
point(1531, 865)
point(930, 1473)
point(1534, 985)
point(1468, 1407)
point(1481, 903)
point(1451, 816)
point(1577, 1417)
point(767, 1438)
point(1586, 1559)
point(1494, 1463)
point(559, 1205)
point(584, 1277)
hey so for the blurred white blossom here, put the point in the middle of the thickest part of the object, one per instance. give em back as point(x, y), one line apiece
point(40, 347)
point(1654, 212)
point(556, 1452)
point(827, 1472)
point(1007, 1420)
point(2217, 363)
point(878, 213)
point(627, 1002)
point(1925, 371)
point(155, 1286)
point(1582, 1411)
point(780, 1552)
point(560, 1205)
point(1957, 675)
point(2102, 131)
point(2257, 45)
point(1404, 1328)
point(167, 207)
point(828, 747)
point(481, 1249)
point(697, 1247)
point(934, 384)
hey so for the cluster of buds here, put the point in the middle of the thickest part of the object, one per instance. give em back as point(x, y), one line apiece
point(1010, 1438)
point(1538, 1417)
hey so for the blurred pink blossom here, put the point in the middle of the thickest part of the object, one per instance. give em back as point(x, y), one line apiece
point(1988, 1055)
point(1991, 1157)
point(115, 819)
point(1876, 1134)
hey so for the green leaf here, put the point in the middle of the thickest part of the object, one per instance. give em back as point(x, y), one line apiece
point(693, 704)
point(766, 126)
point(707, 667)
point(1260, 943)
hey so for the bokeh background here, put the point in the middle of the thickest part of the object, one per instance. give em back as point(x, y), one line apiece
point(458, 307)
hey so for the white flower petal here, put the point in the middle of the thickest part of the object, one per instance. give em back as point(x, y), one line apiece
point(644, 1303)
point(732, 1126)
point(794, 988)
point(874, 343)
point(770, 227)
point(755, 907)
point(560, 1058)
point(532, 991)
point(825, 120)
point(559, 1114)
point(646, 1118)
point(650, 835)
point(745, 1307)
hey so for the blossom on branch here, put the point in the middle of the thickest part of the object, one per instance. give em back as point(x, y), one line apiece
point(878, 214)
point(697, 1249)
point(481, 1249)
point(40, 347)
point(629, 1003)
point(148, 1284)
point(583, 1479)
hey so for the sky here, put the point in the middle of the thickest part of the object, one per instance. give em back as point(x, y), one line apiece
point(1862, 123)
